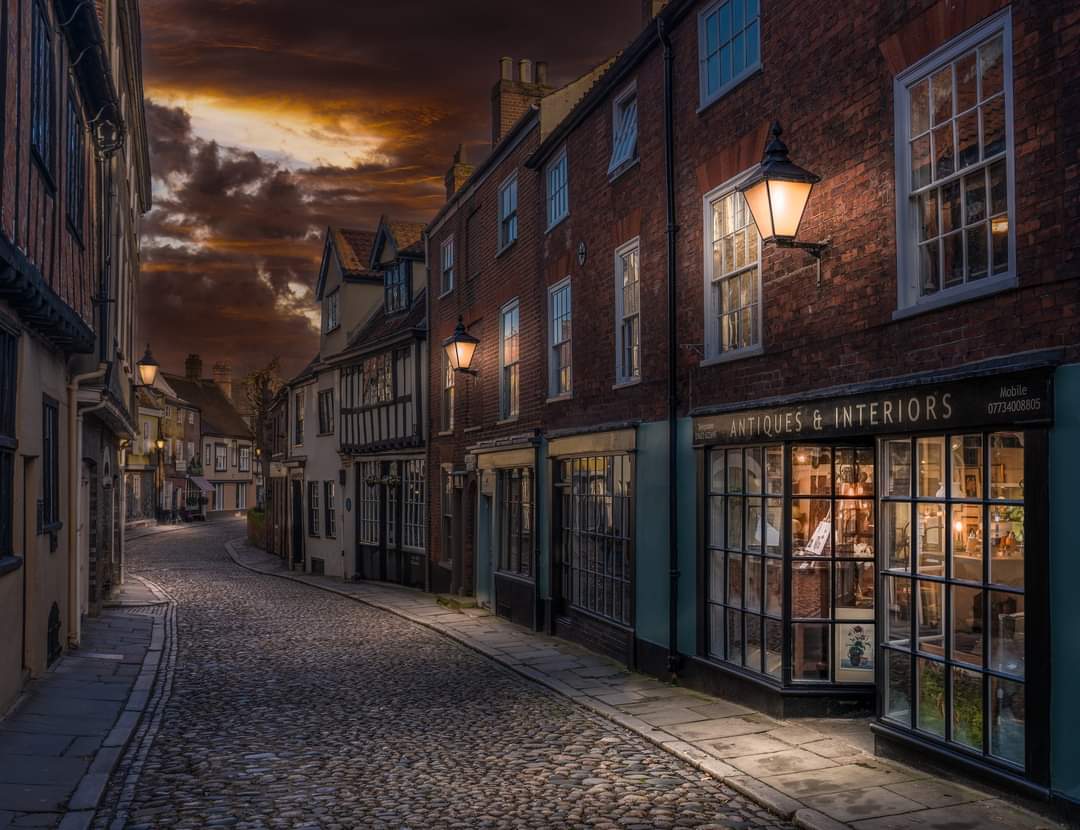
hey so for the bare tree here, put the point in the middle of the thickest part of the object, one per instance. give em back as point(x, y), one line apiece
point(261, 387)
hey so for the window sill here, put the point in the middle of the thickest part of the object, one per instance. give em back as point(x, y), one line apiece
point(622, 384)
point(10, 563)
point(444, 434)
point(512, 420)
point(746, 74)
point(733, 355)
point(623, 168)
point(961, 294)
point(332, 329)
point(565, 396)
point(557, 222)
point(447, 292)
point(472, 429)
point(506, 247)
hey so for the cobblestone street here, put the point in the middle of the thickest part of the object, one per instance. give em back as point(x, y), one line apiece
point(293, 707)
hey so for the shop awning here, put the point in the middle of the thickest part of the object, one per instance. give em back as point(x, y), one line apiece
point(202, 484)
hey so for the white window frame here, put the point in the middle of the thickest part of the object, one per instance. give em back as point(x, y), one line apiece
point(908, 301)
point(621, 377)
point(208, 456)
point(713, 354)
point(704, 97)
point(554, 392)
point(447, 260)
point(219, 495)
point(241, 496)
point(558, 199)
point(508, 412)
point(332, 321)
point(623, 157)
point(244, 460)
point(191, 417)
point(191, 450)
point(449, 394)
point(510, 181)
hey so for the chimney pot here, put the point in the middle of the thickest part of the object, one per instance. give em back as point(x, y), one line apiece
point(541, 72)
point(506, 69)
point(525, 74)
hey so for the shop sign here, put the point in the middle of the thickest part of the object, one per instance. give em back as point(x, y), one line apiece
point(1014, 399)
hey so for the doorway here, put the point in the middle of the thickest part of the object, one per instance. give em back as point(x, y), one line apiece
point(297, 521)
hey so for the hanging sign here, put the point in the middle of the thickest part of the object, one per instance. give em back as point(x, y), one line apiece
point(1016, 399)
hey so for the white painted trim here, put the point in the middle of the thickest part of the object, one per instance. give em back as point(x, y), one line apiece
point(622, 379)
point(500, 246)
point(509, 306)
point(559, 157)
point(705, 100)
point(627, 91)
point(448, 242)
point(908, 301)
point(553, 393)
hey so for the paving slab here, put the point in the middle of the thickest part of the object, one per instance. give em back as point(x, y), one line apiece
point(992, 814)
point(776, 763)
point(721, 728)
point(738, 745)
point(838, 779)
point(34, 769)
point(31, 798)
point(22, 743)
point(933, 792)
point(869, 802)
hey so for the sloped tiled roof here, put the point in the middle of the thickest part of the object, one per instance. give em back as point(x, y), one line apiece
point(381, 327)
point(354, 251)
point(219, 415)
point(407, 237)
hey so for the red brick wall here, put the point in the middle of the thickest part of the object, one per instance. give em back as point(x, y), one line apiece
point(829, 79)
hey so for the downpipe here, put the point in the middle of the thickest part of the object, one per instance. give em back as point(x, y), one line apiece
point(674, 660)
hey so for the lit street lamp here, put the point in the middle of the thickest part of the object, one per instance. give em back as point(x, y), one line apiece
point(460, 348)
point(777, 194)
point(148, 368)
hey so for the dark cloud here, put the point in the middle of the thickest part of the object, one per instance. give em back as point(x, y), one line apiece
point(235, 234)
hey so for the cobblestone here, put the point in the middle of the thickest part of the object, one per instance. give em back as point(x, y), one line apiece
point(295, 708)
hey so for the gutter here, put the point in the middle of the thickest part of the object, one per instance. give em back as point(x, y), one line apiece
point(672, 345)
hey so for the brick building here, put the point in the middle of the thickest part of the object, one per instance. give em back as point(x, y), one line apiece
point(867, 446)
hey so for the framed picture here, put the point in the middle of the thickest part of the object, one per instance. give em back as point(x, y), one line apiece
point(855, 650)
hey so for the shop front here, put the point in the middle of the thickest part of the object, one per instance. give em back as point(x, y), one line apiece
point(391, 519)
point(886, 551)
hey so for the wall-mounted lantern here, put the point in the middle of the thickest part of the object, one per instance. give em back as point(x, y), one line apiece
point(460, 348)
point(160, 443)
point(777, 194)
point(148, 368)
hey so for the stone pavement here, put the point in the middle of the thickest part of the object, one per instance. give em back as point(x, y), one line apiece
point(797, 772)
point(63, 738)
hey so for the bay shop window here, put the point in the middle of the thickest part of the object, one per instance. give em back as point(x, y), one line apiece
point(888, 562)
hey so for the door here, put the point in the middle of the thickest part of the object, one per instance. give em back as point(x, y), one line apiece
point(297, 521)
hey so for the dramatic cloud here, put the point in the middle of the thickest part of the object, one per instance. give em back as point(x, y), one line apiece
point(270, 120)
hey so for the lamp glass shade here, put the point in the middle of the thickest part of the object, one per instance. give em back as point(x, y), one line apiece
point(148, 368)
point(460, 354)
point(160, 442)
point(777, 206)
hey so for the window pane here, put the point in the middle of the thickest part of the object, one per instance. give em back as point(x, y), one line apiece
point(897, 468)
point(774, 461)
point(1007, 632)
point(774, 521)
point(1007, 719)
point(735, 522)
point(898, 686)
point(753, 642)
point(753, 469)
point(716, 521)
point(716, 576)
point(931, 686)
point(734, 636)
point(896, 520)
point(811, 527)
point(854, 589)
point(967, 708)
point(931, 623)
point(854, 528)
point(735, 580)
point(1007, 545)
point(810, 589)
point(977, 256)
point(811, 471)
point(1007, 465)
point(967, 542)
point(967, 466)
point(931, 539)
point(929, 268)
point(920, 162)
point(950, 207)
point(919, 96)
point(735, 471)
point(716, 471)
point(774, 586)
point(931, 455)
point(941, 95)
point(944, 151)
point(967, 82)
point(967, 625)
point(952, 269)
point(928, 215)
point(810, 651)
point(774, 644)
point(967, 139)
point(753, 566)
point(753, 524)
point(990, 68)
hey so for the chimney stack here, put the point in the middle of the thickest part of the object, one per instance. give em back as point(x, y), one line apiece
point(650, 9)
point(458, 173)
point(193, 367)
point(223, 378)
point(511, 97)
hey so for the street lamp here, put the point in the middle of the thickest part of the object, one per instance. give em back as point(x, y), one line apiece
point(777, 194)
point(460, 348)
point(148, 368)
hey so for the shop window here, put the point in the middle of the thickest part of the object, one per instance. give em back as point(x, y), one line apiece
point(732, 278)
point(313, 508)
point(594, 536)
point(729, 46)
point(368, 503)
point(952, 580)
point(514, 489)
point(627, 313)
point(745, 595)
point(414, 516)
point(955, 182)
point(392, 504)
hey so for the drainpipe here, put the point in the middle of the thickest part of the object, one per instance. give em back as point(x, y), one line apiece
point(673, 389)
point(74, 492)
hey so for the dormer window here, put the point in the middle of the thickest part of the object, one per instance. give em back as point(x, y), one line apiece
point(397, 287)
point(330, 316)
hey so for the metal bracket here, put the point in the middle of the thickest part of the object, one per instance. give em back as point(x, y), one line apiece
point(815, 249)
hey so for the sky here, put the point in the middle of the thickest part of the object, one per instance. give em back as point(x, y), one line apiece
point(270, 119)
